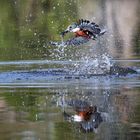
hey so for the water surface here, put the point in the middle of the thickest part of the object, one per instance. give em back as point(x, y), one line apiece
point(33, 101)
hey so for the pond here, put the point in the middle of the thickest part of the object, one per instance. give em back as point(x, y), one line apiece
point(91, 91)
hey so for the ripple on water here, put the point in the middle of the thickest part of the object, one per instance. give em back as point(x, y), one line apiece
point(65, 73)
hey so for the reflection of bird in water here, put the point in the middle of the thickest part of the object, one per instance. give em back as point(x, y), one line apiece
point(88, 116)
point(86, 113)
point(92, 123)
point(84, 31)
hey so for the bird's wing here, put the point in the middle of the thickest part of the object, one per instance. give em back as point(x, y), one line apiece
point(71, 42)
point(90, 26)
point(76, 41)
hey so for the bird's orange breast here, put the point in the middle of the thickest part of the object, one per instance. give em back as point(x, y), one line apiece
point(80, 33)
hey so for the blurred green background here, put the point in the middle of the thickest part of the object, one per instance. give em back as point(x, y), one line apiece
point(27, 25)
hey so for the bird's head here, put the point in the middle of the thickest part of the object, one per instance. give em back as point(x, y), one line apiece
point(71, 28)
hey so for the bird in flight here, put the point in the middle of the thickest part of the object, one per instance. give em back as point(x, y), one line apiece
point(84, 31)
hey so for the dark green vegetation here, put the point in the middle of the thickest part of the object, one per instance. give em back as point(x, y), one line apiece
point(25, 26)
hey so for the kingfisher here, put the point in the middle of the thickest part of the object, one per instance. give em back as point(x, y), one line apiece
point(84, 31)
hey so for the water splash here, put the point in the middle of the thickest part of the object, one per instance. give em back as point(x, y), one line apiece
point(87, 64)
point(94, 65)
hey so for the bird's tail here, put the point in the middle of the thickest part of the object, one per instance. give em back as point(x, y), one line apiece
point(103, 31)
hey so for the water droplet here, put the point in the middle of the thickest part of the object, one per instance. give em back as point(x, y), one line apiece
point(36, 116)
point(30, 15)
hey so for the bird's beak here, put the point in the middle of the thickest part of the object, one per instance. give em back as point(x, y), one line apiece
point(64, 32)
